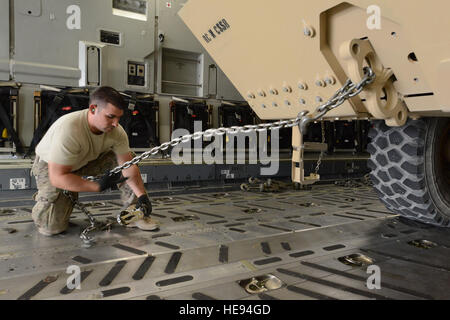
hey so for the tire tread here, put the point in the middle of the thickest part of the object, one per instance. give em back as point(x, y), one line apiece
point(398, 171)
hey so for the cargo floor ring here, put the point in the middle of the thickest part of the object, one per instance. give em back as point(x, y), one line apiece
point(261, 284)
point(356, 260)
point(423, 244)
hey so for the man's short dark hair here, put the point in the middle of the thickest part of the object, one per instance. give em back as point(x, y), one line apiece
point(108, 95)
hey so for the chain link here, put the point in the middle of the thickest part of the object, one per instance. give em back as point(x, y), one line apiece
point(319, 162)
point(94, 224)
point(348, 91)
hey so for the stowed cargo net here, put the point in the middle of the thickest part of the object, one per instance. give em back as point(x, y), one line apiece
point(140, 121)
point(8, 130)
point(236, 115)
point(53, 105)
point(184, 116)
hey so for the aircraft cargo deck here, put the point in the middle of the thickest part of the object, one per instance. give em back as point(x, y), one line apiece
point(227, 244)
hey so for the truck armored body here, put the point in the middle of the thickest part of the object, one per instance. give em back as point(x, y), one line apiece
point(288, 57)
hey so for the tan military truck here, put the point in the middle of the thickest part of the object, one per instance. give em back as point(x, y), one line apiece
point(289, 57)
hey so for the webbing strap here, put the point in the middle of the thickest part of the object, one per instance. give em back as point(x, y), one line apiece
point(38, 133)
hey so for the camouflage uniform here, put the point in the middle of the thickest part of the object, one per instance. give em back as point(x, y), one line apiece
point(52, 210)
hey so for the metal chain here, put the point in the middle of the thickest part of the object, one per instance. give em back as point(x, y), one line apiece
point(94, 223)
point(319, 162)
point(349, 90)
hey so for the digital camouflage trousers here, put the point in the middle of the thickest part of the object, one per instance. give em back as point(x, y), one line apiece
point(51, 213)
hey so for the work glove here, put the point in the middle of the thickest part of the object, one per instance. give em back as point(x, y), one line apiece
point(144, 204)
point(109, 181)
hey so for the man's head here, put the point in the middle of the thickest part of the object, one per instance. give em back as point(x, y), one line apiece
point(105, 107)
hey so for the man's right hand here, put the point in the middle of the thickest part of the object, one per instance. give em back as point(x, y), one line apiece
point(108, 181)
point(143, 203)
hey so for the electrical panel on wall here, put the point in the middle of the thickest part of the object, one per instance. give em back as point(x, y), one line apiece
point(137, 74)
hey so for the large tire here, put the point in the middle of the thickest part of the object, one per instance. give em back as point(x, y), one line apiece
point(411, 169)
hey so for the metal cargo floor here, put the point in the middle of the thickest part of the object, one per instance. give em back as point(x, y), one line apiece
point(296, 236)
